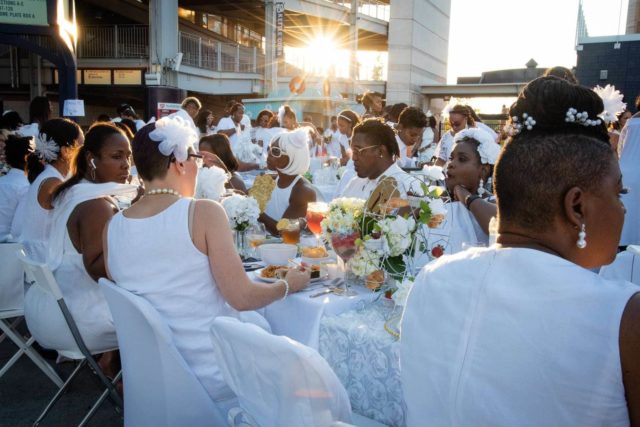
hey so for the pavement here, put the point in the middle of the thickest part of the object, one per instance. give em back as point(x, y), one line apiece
point(25, 391)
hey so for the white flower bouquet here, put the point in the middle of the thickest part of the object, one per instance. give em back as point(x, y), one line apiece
point(344, 216)
point(242, 211)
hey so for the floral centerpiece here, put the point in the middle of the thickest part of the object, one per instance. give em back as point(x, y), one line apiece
point(383, 242)
point(243, 212)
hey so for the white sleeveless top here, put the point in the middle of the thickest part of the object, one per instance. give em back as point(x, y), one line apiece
point(156, 259)
point(279, 201)
point(37, 220)
point(513, 337)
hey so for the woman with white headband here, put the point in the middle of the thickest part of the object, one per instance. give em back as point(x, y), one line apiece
point(207, 279)
point(289, 156)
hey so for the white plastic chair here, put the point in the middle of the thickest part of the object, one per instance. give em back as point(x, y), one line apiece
point(63, 325)
point(12, 307)
point(159, 387)
point(279, 382)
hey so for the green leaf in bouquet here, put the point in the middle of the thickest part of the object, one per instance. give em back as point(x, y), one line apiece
point(425, 212)
point(395, 266)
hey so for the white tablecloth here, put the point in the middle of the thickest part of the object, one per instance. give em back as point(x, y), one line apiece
point(366, 359)
point(298, 317)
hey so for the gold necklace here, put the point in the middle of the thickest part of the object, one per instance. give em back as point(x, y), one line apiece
point(157, 191)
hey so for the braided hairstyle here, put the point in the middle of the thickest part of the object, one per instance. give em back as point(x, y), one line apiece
point(538, 166)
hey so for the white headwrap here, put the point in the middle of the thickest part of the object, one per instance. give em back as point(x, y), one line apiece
point(281, 115)
point(175, 135)
point(488, 149)
point(295, 145)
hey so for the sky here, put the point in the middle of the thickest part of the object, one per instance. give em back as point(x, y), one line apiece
point(501, 34)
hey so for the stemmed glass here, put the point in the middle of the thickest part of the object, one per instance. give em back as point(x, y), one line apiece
point(316, 212)
point(256, 235)
point(344, 245)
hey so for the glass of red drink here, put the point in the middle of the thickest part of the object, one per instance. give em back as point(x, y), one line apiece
point(316, 212)
point(344, 244)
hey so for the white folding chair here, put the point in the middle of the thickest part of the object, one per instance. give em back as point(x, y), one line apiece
point(160, 389)
point(64, 326)
point(279, 382)
point(12, 311)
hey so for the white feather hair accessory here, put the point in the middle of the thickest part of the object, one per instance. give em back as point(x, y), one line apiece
point(488, 149)
point(46, 147)
point(175, 136)
point(612, 100)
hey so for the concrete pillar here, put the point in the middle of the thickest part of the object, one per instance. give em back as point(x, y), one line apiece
point(270, 62)
point(418, 48)
point(353, 40)
point(633, 17)
point(163, 38)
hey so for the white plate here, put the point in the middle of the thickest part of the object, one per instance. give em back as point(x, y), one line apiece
point(258, 275)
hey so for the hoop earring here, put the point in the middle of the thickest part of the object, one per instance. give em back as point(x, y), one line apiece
point(481, 189)
point(582, 236)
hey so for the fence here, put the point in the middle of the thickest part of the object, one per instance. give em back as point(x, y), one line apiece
point(132, 41)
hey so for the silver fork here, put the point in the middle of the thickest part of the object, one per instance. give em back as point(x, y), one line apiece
point(332, 290)
point(322, 284)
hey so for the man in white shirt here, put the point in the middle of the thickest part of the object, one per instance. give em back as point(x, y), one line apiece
point(374, 152)
point(410, 127)
point(332, 137)
point(126, 111)
point(188, 111)
point(232, 126)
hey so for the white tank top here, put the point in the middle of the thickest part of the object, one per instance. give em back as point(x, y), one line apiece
point(156, 259)
point(37, 220)
point(279, 201)
point(513, 337)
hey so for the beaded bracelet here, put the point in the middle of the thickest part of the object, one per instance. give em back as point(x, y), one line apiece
point(470, 199)
point(286, 288)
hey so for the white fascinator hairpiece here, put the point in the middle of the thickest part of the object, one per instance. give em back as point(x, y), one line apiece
point(175, 136)
point(46, 147)
point(488, 149)
point(612, 100)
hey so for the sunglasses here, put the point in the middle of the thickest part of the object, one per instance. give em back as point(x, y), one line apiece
point(359, 151)
point(277, 152)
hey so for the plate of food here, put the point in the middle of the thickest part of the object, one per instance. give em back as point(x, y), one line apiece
point(273, 273)
point(314, 255)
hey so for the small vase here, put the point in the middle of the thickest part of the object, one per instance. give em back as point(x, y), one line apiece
point(241, 243)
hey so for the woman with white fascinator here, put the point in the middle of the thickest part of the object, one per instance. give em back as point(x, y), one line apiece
point(208, 279)
point(289, 156)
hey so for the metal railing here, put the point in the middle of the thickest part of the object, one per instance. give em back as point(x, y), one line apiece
point(375, 8)
point(132, 41)
point(211, 54)
point(118, 41)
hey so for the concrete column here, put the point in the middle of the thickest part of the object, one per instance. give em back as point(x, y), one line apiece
point(418, 48)
point(270, 63)
point(633, 17)
point(353, 40)
point(163, 38)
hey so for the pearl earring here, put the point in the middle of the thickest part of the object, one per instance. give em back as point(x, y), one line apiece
point(481, 189)
point(582, 235)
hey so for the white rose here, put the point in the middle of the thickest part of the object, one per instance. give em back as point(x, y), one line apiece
point(434, 173)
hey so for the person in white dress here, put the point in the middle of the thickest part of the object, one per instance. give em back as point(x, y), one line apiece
point(262, 131)
point(55, 146)
point(411, 125)
point(427, 147)
point(330, 134)
point(522, 333)
point(208, 279)
point(289, 156)
point(347, 121)
point(14, 185)
point(82, 206)
point(204, 122)
point(471, 205)
point(459, 118)
point(629, 157)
